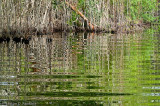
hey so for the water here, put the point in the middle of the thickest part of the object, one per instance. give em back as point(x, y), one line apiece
point(81, 69)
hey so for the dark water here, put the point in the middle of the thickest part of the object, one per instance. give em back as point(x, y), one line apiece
point(82, 70)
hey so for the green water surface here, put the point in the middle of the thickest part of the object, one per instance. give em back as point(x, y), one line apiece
point(82, 69)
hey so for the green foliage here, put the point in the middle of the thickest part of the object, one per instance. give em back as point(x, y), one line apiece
point(159, 28)
point(142, 9)
point(81, 4)
point(148, 6)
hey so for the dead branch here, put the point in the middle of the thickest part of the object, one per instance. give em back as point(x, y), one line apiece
point(91, 26)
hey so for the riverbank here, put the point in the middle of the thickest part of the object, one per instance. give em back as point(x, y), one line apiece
point(45, 17)
point(45, 31)
point(25, 36)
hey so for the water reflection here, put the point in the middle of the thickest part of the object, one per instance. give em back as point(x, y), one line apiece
point(81, 69)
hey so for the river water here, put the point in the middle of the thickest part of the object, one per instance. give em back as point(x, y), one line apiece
point(82, 69)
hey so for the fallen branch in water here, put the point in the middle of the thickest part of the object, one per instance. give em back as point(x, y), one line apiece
point(91, 26)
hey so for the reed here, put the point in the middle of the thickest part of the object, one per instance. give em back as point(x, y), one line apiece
point(48, 16)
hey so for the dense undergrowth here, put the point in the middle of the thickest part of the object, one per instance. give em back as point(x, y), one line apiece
point(47, 16)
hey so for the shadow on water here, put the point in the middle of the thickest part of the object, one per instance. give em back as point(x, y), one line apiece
point(81, 69)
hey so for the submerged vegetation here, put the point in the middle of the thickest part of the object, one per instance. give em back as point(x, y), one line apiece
point(47, 16)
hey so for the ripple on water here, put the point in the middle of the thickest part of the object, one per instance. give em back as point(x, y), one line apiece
point(81, 69)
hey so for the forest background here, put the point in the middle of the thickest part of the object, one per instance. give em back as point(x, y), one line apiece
point(47, 16)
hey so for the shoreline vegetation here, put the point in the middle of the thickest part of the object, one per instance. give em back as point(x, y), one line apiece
point(41, 17)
